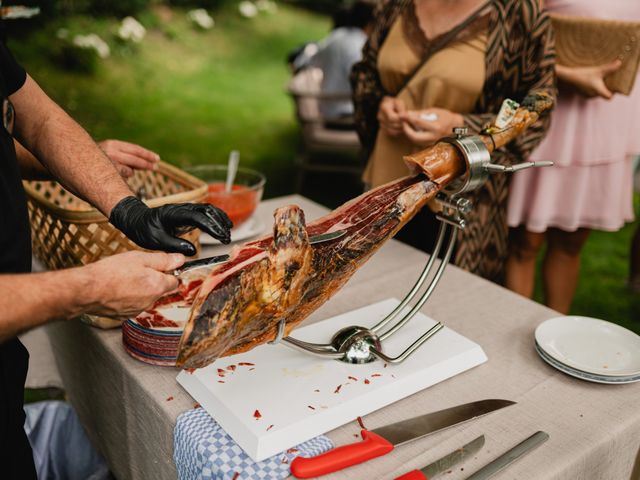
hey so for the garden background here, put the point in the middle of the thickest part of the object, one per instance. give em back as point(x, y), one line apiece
point(194, 93)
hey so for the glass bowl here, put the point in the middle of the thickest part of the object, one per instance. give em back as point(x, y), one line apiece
point(242, 200)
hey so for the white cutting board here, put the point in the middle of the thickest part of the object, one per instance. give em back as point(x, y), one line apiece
point(297, 394)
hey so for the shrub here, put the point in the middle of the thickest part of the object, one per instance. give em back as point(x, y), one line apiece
point(206, 4)
point(74, 58)
point(118, 8)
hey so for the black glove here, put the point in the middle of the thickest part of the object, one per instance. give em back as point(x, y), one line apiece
point(156, 228)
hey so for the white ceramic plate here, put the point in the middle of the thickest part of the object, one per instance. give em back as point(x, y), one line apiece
point(250, 228)
point(615, 380)
point(590, 345)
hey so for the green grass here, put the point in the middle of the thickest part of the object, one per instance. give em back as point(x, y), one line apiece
point(190, 95)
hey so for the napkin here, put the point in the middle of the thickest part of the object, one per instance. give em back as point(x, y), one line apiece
point(204, 451)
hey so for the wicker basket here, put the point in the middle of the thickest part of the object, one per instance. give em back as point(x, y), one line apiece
point(66, 231)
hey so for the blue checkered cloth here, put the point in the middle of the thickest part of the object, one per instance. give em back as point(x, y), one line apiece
point(204, 451)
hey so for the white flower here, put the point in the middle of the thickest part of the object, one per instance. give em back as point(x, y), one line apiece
point(247, 9)
point(266, 6)
point(131, 29)
point(92, 41)
point(200, 17)
point(62, 33)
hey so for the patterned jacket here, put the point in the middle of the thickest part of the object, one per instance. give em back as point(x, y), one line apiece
point(520, 60)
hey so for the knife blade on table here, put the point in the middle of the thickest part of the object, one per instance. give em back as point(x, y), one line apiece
point(446, 462)
point(510, 456)
point(380, 441)
point(217, 259)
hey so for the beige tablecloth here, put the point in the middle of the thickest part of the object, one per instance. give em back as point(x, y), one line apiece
point(130, 408)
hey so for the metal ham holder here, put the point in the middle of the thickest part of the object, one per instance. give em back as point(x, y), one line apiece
point(357, 344)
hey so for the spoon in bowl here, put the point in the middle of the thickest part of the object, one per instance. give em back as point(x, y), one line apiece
point(232, 169)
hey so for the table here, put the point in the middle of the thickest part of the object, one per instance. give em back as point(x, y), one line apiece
point(130, 408)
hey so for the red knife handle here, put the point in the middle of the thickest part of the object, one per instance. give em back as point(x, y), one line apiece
point(371, 446)
point(413, 475)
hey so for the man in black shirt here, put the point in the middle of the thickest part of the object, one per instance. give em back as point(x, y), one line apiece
point(120, 285)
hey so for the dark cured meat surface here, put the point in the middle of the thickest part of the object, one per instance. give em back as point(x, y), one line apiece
point(279, 277)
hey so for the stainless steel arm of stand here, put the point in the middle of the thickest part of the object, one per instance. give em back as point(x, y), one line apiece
point(419, 283)
point(425, 296)
point(494, 168)
point(412, 348)
point(312, 348)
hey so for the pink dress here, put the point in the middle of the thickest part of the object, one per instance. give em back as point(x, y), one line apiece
point(592, 143)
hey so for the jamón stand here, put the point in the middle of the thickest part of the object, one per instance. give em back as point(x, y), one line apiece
point(356, 344)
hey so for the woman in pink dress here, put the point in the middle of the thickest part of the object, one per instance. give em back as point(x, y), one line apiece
point(592, 139)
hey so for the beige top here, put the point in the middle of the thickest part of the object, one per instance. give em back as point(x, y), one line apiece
point(451, 78)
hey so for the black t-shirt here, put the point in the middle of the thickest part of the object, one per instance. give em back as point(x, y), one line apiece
point(16, 458)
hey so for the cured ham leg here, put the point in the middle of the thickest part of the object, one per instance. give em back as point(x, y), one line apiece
point(283, 277)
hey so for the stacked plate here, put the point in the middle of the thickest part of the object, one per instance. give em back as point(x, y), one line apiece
point(590, 349)
point(154, 337)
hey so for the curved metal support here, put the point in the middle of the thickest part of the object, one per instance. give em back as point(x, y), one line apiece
point(412, 348)
point(327, 347)
point(425, 296)
point(442, 230)
point(310, 348)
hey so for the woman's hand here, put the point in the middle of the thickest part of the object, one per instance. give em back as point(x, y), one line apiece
point(589, 81)
point(128, 157)
point(425, 127)
point(390, 115)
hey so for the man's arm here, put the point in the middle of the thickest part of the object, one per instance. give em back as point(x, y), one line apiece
point(66, 149)
point(30, 167)
point(122, 285)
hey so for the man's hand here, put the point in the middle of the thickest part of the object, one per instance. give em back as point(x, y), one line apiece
point(128, 157)
point(157, 228)
point(121, 285)
point(425, 127)
point(124, 285)
point(589, 81)
point(390, 115)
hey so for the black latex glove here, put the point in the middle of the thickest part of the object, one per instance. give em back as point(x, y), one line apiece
point(156, 228)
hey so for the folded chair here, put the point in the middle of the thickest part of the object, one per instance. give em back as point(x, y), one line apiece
point(326, 146)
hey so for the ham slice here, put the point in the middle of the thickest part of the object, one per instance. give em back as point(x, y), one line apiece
point(283, 277)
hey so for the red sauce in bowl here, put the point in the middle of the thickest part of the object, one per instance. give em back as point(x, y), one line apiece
point(239, 203)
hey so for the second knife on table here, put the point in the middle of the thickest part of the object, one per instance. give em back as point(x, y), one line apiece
point(446, 462)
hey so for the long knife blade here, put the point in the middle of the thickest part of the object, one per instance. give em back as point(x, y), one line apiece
point(510, 456)
point(445, 463)
point(217, 259)
point(406, 430)
point(383, 440)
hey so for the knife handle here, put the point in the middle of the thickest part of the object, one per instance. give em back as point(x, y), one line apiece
point(371, 446)
point(413, 475)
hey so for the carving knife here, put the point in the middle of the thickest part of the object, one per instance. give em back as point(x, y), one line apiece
point(217, 259)
point(383, 440)
point(510, 456)
point(446, 462)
